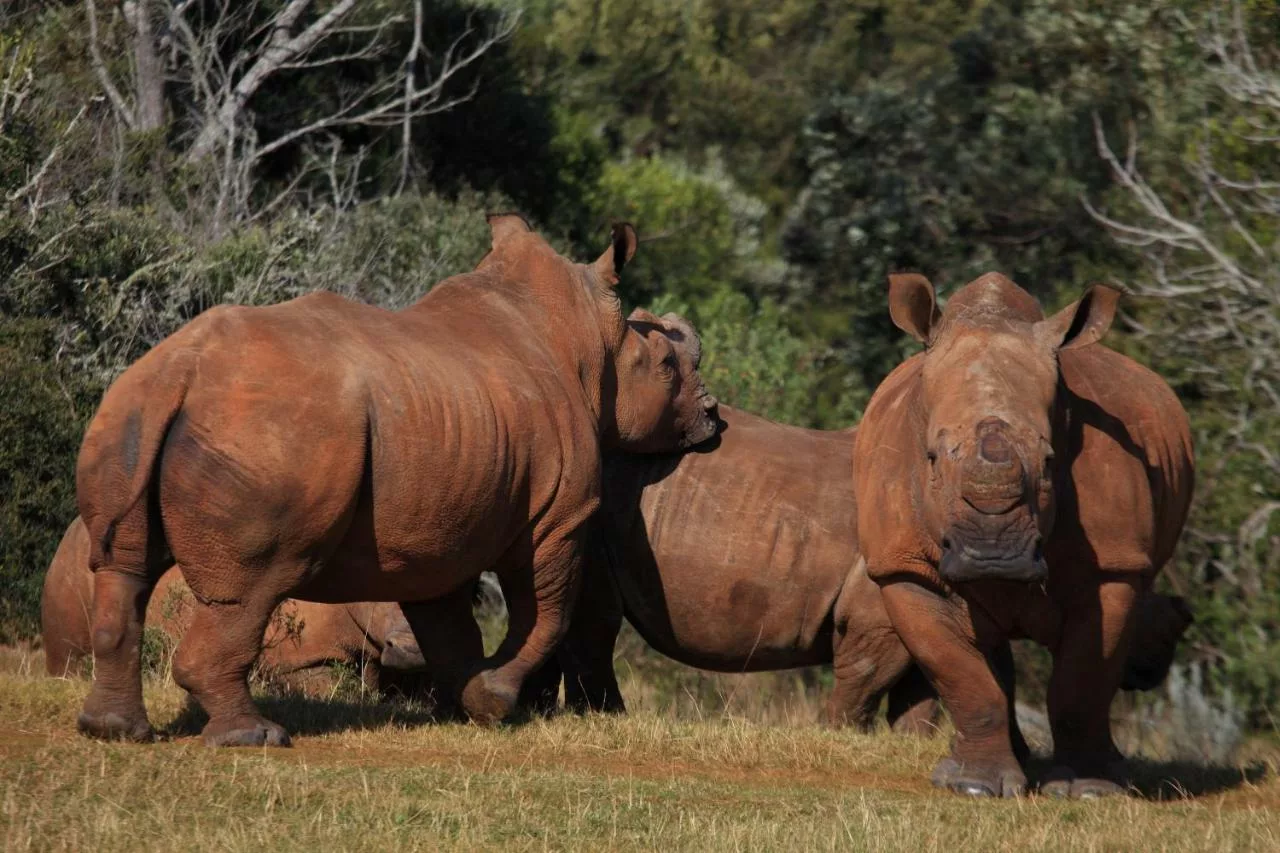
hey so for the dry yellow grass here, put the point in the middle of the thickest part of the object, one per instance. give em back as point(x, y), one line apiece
point(379, 777)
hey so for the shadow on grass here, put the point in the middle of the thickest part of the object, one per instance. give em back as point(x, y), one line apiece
point(1175, 780)
point(305, 715)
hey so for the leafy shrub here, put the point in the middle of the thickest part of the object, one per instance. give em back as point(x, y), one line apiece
point(42, 418)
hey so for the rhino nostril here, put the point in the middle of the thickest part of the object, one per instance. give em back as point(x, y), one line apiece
point(994, 448)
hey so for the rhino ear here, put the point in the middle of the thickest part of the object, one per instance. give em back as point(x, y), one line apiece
point(622, 248)
point(640, 315)
point(1082, 322)
point(504, 226)
point(912, 305)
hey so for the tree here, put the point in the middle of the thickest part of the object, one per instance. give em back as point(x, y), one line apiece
point(1208, 313)
point(976, 167)
point(220, 56)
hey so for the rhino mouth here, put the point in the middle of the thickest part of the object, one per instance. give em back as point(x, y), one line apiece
point(963, 562)
point(707, 423)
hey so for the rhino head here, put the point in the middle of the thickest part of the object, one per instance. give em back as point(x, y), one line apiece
point(662, 355)
point(387, 630)
point(646, 390)
point(989, 387)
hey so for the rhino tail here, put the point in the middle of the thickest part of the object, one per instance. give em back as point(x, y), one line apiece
point(119, 459)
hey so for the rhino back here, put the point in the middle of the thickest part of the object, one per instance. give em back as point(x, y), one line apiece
point(437, 441)
point(732, 559)
point(1127, 442)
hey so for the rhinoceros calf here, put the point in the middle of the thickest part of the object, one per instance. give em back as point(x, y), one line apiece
point(744, 557)
point(331, 451)
point(1017, 478)
point(298, 647)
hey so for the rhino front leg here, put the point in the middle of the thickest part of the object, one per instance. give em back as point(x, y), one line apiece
point(590, 683)
point(585, 657)
point(538, 603)
point(1088, 666)
point(1001, 660)
point(938, 634)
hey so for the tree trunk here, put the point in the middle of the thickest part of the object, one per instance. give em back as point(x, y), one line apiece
point(149, 72)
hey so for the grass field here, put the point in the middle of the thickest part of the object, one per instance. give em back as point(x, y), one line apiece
point(366, 776)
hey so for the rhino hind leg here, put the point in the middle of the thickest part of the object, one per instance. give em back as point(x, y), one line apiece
point(213, 661)
point(913, 705)
point(866, 666)
point(114, 709)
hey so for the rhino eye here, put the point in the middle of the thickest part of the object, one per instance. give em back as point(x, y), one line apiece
point(932, 456)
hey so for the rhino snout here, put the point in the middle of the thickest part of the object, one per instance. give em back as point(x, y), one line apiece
point(401, 652)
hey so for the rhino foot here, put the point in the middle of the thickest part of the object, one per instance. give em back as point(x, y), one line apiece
point(488, 700)
point(1061, 782)
point(245, 730)
point(979, 779)
point(112, 726)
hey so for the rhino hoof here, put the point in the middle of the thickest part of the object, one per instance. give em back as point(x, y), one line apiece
point(1062, 783)
point(487, 700)
point(245, 731)
point(112, 726)
point(979, 780)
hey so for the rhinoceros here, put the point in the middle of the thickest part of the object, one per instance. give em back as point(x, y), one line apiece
point(332, 451)
point(743, 556)
point(1019, 479)
point(298, 647)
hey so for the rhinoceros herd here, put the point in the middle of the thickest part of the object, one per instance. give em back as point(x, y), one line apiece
point(1016, 479)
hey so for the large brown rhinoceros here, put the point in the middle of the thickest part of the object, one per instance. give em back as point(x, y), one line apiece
point(744, 557)
point(331, 451)
point(299, 645)
point(1019, 479)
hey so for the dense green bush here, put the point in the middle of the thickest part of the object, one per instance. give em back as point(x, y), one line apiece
point(45, 407)
point(752, 360)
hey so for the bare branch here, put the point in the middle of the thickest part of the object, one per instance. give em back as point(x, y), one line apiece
point(280, 49)
point(122, 109)
point(410, 72)
point(33, 185)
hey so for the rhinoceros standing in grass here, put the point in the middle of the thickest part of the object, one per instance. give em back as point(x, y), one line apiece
point(332, 451)
point(743, 556)
point(1017, 478)
point(299, 644)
